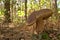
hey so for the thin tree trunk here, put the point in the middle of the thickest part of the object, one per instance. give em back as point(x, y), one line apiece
point(26, 9)
point(7, 11)
point(55, 8)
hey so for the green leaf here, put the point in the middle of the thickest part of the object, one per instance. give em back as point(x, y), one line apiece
point(21, 13)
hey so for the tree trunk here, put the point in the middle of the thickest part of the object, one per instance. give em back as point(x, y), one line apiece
point(55, 8)
point(26, 9)
point(7, 11)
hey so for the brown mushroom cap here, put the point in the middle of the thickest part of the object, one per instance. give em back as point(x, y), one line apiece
point(31, 19)
point(44, 14)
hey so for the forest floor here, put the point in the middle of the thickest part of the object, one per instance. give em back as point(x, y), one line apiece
point(23, 32)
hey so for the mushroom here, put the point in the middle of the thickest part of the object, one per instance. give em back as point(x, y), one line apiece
point(38, 17)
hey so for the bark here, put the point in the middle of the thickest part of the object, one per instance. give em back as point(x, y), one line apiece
point(7, 11)
point(26, 9)
point(55, 8)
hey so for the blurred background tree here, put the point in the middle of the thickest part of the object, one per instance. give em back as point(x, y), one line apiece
point(17, 11)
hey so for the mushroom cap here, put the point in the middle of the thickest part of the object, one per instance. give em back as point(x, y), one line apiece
point(43, 13)
point(31, 19)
